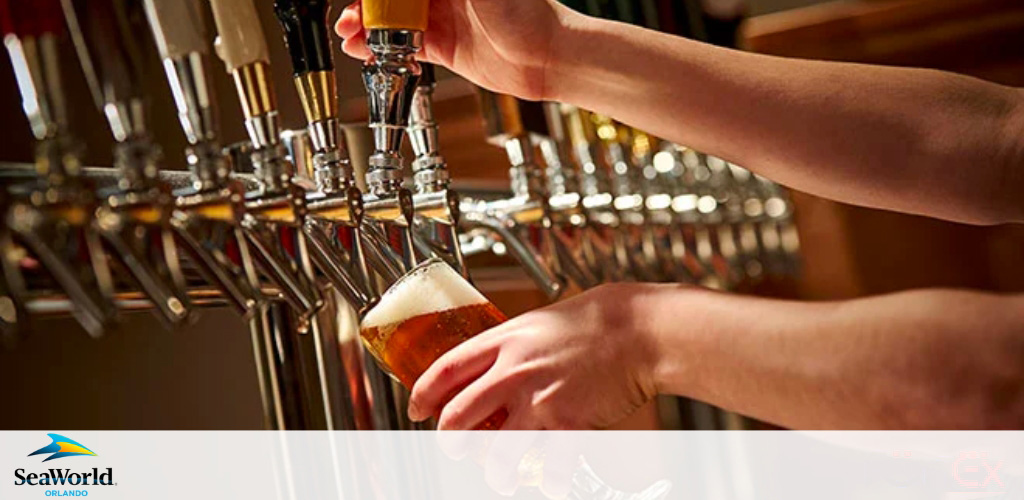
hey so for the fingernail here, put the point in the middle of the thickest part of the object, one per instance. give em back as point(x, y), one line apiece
point(414, 413)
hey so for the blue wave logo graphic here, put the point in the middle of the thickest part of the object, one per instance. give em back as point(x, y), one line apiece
point(62, 447)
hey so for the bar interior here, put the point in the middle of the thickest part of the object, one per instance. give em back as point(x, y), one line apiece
point(202, 199)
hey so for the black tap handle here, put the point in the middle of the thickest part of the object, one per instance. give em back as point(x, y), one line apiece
point(427, 78)
point(305, 34)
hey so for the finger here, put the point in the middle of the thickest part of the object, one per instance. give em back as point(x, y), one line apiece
point(355, 46)
point(350, 21)
point(509, 453)
point(479, 400)
point(457, 445)
point(451, 372)
point(561, 457)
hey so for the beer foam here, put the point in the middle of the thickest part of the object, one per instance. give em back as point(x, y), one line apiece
point(430, 288)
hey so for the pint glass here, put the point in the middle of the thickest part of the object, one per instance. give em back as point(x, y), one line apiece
point(423, 315)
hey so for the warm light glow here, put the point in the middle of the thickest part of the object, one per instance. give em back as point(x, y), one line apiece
point(685, 203)
point(707, 204)
point(664, 162)
point(659, 202)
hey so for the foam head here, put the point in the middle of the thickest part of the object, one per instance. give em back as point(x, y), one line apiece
point(431, 287)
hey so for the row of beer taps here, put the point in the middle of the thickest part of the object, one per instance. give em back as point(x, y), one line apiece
point(278, 226)
point(605, 202)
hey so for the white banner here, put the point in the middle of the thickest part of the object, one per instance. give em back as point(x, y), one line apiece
point(476, 465)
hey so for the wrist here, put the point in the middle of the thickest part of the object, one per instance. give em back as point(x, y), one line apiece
point(670, 322)
point(657, 315)
point(562, 55)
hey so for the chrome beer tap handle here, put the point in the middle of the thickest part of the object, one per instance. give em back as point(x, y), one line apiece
point(53, 218)
point(337, 200)
point(178, 28)
point(566, 200)
point(439, 232)
point(657, 233)
point(430, 170)
point(516, 125)
point(627, 199)
point(609, 243)
point(112, 66)
point(241, 45)
point(390, 76)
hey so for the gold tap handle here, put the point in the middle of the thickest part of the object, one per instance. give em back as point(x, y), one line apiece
point(582, 131)
point(606, 128)
point(501, 115)
point(409, 15)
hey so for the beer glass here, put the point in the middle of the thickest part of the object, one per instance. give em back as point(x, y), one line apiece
point(428, 311)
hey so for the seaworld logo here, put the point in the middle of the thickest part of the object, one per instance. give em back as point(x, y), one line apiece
point(62, 447)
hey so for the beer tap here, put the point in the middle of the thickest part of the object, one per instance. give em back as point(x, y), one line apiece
point(215, 201)
point(337, 199)
point(528, 217)
point(699, 214)
point(53, 218)
point(213, 198)
point(566, 200)
point(277, 203)
point(137, 212)
point(627, 199)
point(662, 175)
point(435, 201)
point(595, 186)
point(390, 75)
point(662, 243)
point(281, 201)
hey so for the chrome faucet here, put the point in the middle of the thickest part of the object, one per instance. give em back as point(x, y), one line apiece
point(598, 199)
point(52, 216)
point(137, 211)
point(214, 201)
point(437, 205)
point(510, 219)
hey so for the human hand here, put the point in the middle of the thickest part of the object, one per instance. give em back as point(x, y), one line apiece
point(584, 363)
point(502, 45)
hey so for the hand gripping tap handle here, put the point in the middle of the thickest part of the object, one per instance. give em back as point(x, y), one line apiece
point(394, 35)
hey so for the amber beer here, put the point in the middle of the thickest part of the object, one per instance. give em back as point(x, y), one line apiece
point(423, 315)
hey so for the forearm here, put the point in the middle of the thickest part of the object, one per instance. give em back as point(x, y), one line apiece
point(911, 140)
point(931, 359)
